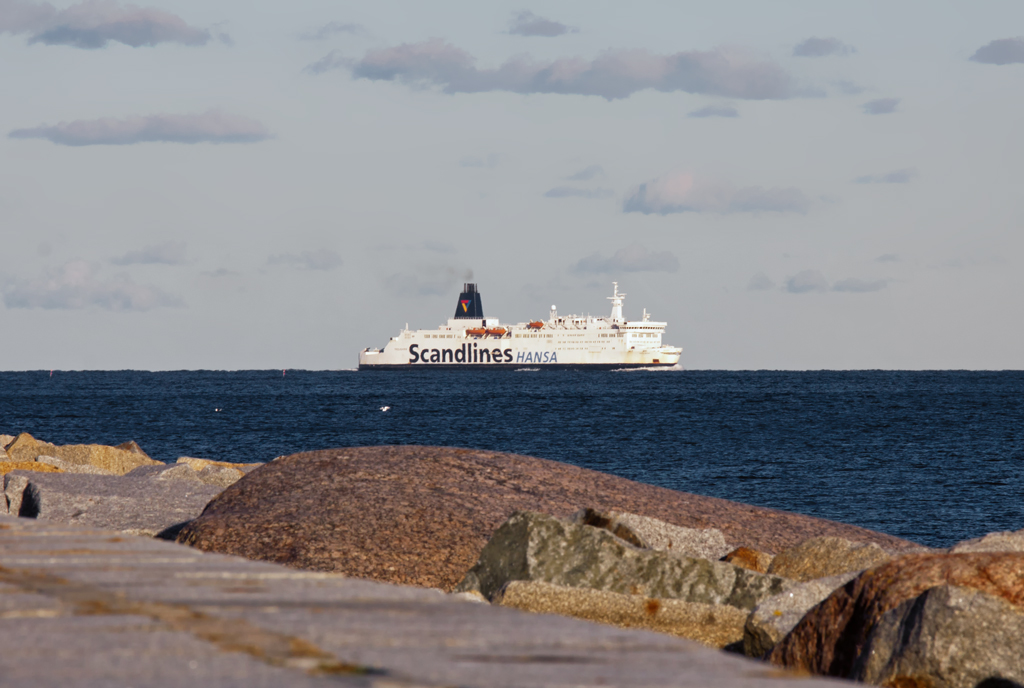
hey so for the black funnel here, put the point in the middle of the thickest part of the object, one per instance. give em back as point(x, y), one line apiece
point(469, 305)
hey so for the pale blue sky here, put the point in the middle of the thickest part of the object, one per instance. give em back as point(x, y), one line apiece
point(276, 185)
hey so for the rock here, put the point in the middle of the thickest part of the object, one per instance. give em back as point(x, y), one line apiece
point(14, 488)
point(654, 534)
point(832, 636)
point(141, 504)
point(822, 557)
point(118, 461)
point(749, 559)
point(199, 464)
point(163, 473)
point(8, 466)
point(712, 625)
point(776, 616)
point(133, 447)
point(946, 637)
point(221, 476)
point(5, 440)
point(1006, 541)
point(66, 467)
point(421, 515)
point(537, 547)
point(3, 456)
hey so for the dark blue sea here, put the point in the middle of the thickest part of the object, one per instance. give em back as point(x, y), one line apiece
point(933, 457)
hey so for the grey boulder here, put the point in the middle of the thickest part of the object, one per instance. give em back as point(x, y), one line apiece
point(650, 533)
point(946, 637)
point(776, 616)
point(537, 547)
point(1005, 541)
point(145, 501)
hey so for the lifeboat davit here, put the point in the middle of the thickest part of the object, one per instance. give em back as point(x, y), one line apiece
point(536, 325)
point(476, 331)
point(496, 331)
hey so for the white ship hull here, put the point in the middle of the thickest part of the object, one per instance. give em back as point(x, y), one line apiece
point(559, 342)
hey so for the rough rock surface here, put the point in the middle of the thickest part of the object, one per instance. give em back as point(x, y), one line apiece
point(143, 503)
point(831, 638)
point(118, 461)
point(651, 533)
point(821, 557)
point(8, 466)
point(538, 547)
point(5, 440)
point(749, 559)
point(67, 467)
point(947, 637)
point(712, 625)
point(1005, 541)
point(776, 616)
point(200, 464)
point(421, 515)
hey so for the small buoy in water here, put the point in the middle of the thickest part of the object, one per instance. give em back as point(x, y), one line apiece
point(283, 372)
point(217, 410)
point(384, 408)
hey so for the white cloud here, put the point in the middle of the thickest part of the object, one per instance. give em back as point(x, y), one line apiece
point(715, 111)
point(1002, 51)
point(855, 285)
point(805, 282)
point(881, 106)
point(632, 258)
point(574, 192)
point(213, 126)
point(428, 281)
point(612, 74)
point(897, 177)
point(680, 193)
point(822, 47)
point(760, 282)
point(320, 259)
point(527, 23)
point(77, 285)
point(168, 253)
point(94, 23)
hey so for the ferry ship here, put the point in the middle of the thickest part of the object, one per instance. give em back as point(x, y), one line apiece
point(471, 340)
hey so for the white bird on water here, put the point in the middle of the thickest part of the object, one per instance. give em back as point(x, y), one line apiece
point(385, 408)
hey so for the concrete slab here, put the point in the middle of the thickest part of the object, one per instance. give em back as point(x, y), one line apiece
point(81, 606)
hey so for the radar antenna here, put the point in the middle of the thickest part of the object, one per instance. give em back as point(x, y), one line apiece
point(616, 299)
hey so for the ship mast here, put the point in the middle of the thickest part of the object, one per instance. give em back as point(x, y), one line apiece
point(616, 299)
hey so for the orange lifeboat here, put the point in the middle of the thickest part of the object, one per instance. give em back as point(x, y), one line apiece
point(496, 331)
point(536, 325)
point(476, 331)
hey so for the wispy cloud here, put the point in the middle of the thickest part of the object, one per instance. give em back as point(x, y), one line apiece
point(334, 28)
point(587, 173)
point(1002, 51)
point(715, 111)
point(168, 253)
point(77, 285)
point(320, 259)
point(805, 282)
point(527, 23)
point(439, 246)
point(574, 192)
point(881, 106)
point(822, 47)
point(94, 23)
point(682, 193)
point(213, 126)
point(632, 258)
point(896, 177)
point(888, 258)
point(760, 282)
point(809, 281)
point(612, 74)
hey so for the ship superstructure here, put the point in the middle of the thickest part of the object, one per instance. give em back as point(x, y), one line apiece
point(470, 339)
